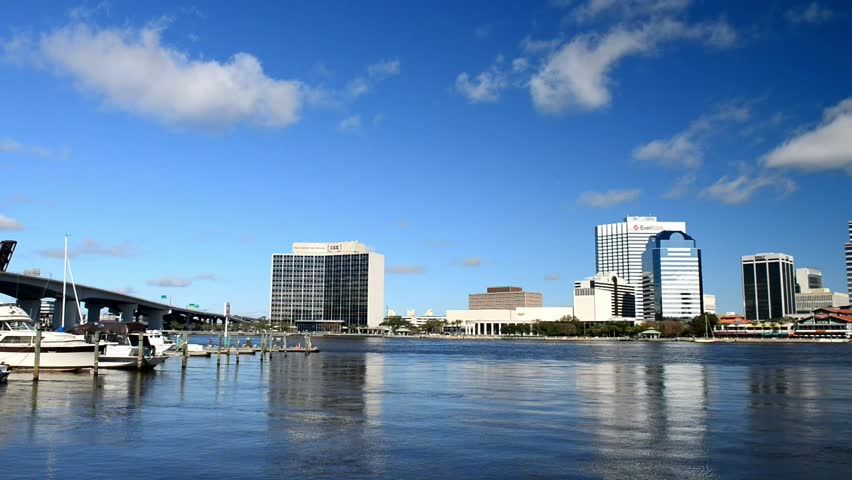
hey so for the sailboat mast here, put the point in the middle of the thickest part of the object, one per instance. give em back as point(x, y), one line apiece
point(64, 281)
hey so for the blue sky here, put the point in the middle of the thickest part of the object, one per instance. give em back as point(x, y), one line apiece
point(472, 143)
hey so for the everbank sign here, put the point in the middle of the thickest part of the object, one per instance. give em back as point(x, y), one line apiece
point(654, 227)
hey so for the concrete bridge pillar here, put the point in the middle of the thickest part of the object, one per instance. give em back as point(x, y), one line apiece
point(128, 312)
point(72, 315)
point(155, 319)
point(32, 307)
point(93, 312)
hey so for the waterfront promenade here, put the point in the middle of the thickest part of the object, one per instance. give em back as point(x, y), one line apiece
point(385, 408)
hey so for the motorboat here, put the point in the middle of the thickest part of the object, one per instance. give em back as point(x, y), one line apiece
point(120, 345)
point(59, 351)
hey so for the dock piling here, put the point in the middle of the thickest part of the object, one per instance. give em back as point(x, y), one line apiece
point(219, 350)
point(37, 360)
point(237, 353)
point(184, 351)
point(95, 362)
point(140, 352)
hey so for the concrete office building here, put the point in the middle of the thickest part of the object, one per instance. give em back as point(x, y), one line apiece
point(710, 304)
point(848, 247)
point(619, 248)
point(606, 297)
point(818, 298)
point(327, 286)
point(672, 282)
point(768, 286)
point(502, 298)
point(808, 279)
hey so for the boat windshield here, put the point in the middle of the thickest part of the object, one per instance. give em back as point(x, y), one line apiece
point(15, 325)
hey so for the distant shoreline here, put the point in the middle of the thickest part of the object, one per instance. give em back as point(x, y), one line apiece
point(776, 340)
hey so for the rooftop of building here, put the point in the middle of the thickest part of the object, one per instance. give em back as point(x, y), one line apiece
point(506, 289)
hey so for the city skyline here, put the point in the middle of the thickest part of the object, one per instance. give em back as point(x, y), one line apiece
point(459, 141)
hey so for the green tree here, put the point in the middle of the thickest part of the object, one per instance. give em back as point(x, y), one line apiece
point(699, 328)
point(434, 326)
point(395, 322)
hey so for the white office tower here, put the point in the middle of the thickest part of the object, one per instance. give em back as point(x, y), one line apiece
point(619, 248)
point(604, 298)
point(672, 286)
point(327, 286)
point(808, 279)
point(848, 247)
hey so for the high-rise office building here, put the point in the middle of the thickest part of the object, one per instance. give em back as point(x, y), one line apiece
point(808, 279)
point(849, 265)
point(325, 286)
point(672, 284)
point(619, 248)
point(503, 298)
point(710, 303)
point(769, 286)
point(603, 298)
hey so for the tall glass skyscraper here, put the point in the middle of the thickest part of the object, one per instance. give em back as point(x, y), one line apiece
point(672, 282)
point(769, 286)
point(619, 248)
point(324, 286)
point(849, 265)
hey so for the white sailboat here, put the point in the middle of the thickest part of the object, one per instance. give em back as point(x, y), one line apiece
point(708, 338)
point(59, 351)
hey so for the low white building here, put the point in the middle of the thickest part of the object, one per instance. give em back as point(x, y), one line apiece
point(606, 297)
point(816, 298)
point(492, 321)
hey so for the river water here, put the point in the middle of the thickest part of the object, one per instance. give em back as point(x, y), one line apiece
point(403, 408)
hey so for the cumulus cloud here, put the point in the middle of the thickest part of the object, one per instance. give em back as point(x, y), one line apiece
point(126, 290)
point(484, 88)
point(577, 75)
point(8, 145)
point(607, 199)
point(685, 149)
point(94, 248)
point(9, 224)
point(406, 269)
point(349, 124)
point(828, 146)
point(133, 71)
point(628, 8)
point(740, 189)
point(814, 13)
point(552, 277)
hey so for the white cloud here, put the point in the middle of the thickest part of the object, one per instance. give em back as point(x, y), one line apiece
point(8, 145)
point(685, 149)
point(126, 290)
point(826, 147)
point(93, 247)
point(740, 189)
point(7, 223)
point(406, 269)
point(133, 71)
point(552, 277)
point(628, 8)
point(472, 262)
point(170, 282)
point(520, 65)
point(482, 32)
point(485, 87)
point(577, 75)
point(376, 72)
point(384, 69)
point(206, 276)
point(681, 186)
point(813, 14)
point(350, 124)
point(607, 199)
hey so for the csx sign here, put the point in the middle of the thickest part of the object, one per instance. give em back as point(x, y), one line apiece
point(334, 248)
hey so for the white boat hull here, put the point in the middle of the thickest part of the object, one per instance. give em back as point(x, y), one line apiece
point(60, 359)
